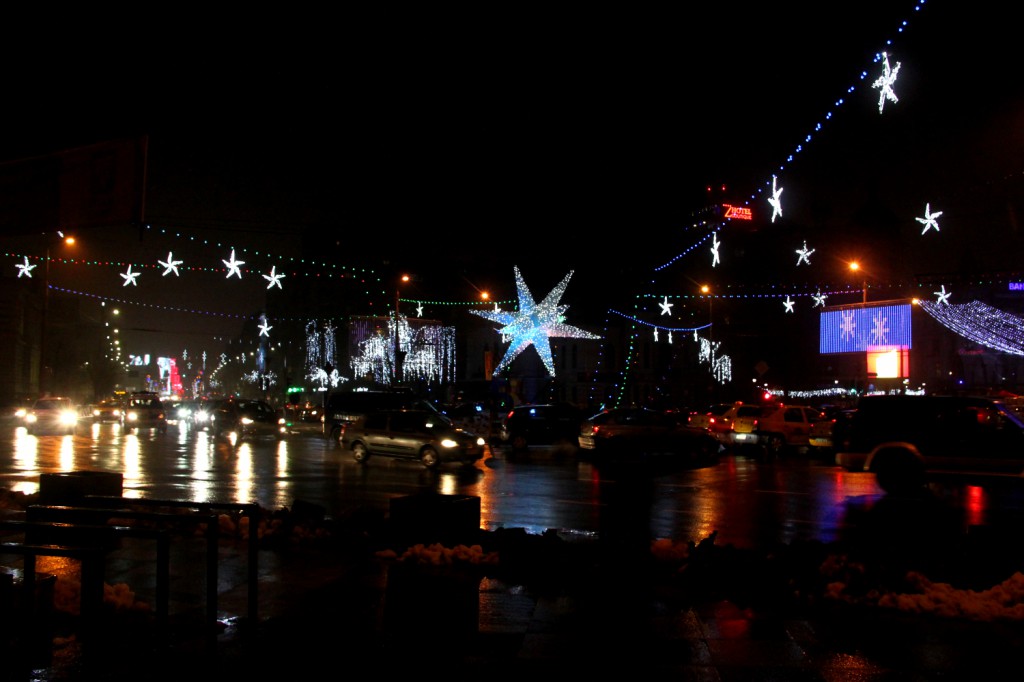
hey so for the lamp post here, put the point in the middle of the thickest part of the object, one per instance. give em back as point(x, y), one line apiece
point(399, 353)
point(855, 267)
point(45, 370)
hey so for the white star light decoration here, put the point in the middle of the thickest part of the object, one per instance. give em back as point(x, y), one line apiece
point(534, 324)
point(666, 307)
point(25, 268)
point(775, 200)
point(264, 326)
point(419, 310)
point(714, 249)
point(232, 265)
point(789, 304)
point(942, 295)
point(129, 277)
point(273, 278)
point(170, 265)
point(804, 255)
point(819, 299)
point(885, 82)
point(929, 220)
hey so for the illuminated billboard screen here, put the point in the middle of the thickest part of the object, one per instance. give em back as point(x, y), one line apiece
point(855, 329)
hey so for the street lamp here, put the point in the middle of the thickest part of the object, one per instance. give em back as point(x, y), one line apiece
point(46, 371)
point(855, 267)
point(399, 353)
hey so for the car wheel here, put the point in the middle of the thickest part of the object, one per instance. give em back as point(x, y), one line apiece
point(335, 434)
point(518, 442)
point(429, 458)
point(360, 453)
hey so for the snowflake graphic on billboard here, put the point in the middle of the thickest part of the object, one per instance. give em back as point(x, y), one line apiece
point(847, 326)
point(880, 329)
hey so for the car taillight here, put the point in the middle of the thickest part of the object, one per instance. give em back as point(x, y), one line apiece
point(711, 420)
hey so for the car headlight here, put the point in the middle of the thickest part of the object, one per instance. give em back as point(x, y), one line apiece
point(449, 443)
point(68, 417)
point(31, 418)
point(132, 416)
point(481, 442)
point(246, 421)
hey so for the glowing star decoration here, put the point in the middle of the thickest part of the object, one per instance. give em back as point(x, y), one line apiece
point(273, 278)
point(129, 277)
point(666, 307)
point(804, 255)
point(942, 296)
point(655, 334)
point(775, 200)
point(25, 268)
point(880, 329)
point(885, 82)
point(789, 304)
point(847, 326)
point(819, 299)
point(929, 220)
point(232, 265)
point(714, 249)
point(534, 324)
point(419, 310)
point(264, 326)
point(170, 265)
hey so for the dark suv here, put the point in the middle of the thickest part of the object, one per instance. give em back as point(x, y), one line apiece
point(548, 424)
point(344, 407)
point(905, 438)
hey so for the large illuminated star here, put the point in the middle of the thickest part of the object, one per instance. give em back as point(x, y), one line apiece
point(885, 82)
point(929, 219)
point(534, 324)
point(273, 278)
point(776, 200)
point(25, 268)
point(233, 266)
point(170, 265)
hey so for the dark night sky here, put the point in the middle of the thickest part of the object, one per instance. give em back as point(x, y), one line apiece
point(557, 141)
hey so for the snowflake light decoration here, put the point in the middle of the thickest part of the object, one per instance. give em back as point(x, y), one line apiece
point(789, 304)
point(534, 324)
point(848, 325)
point(885, 82)
point(804, 255)
point(25, 268)
point(880, 329)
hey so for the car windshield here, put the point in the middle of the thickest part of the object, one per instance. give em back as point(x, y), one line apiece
point(51, 404)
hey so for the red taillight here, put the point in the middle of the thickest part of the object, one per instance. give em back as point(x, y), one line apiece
point(711, 420)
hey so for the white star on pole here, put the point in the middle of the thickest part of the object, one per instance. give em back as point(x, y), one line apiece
point(273, 278)
point(534, 324)
point(264, 327)
point(943, 296)
point(789, 304)
point(655, 334)
point(129, 277)
point(25, 268)
point(170, 265)
point(775, 200)
point(714, 249)
point(819, 299)
point(666, 307)
point(233, 265)
point(804, 255)
point(885, 82)
point(419, 310)
point(929, 219)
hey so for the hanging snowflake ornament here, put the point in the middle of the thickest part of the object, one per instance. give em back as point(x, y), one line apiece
point(929, 220)
point(534, 324)
point(666, 307)
point(129, 277)
point(714, 249)
point(25, 268)
point(804, 255)
point(885, 82)
point(789, 304)
point(942, 296)
point(273, 278)
point(170, 265)
point(775, 200)
point(232, 265)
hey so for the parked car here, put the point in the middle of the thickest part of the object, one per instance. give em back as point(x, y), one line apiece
point(636, 433)
point(344, 407)
point(52, 415)
point(904, 439)
point(144, 410)
point(708, 418)
point(541, 424)
point(738, 426)
point(424, 435)
point(240, 419)
point(777, 428)
point(830, 433)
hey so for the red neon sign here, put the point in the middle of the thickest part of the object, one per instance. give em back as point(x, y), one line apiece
point(737, 212)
